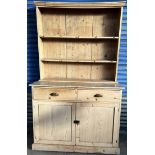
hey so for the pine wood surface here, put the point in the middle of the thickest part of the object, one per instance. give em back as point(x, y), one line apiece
point(84, 24)
point(76, 148)
point(77, 101)
point(76, 84)
point(80, 5)
point(77, 23)
point(55, 121)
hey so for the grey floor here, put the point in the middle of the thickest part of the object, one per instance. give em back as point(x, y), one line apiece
point(123, 147)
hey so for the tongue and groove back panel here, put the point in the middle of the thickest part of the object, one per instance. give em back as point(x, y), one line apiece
point(78, 43)
point(78, 71)
point(79, 22)
point(71, 49)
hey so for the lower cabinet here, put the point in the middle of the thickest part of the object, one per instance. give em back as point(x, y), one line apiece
point(82, 124)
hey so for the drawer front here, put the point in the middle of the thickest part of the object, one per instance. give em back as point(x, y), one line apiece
point(99, 95)
point(54, 94)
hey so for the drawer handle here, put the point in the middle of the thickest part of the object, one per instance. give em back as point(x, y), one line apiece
point(76, 122)
point(54, 94)
point(98, 95)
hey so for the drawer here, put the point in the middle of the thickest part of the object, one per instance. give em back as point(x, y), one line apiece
point(99, 95)
point(54, 94)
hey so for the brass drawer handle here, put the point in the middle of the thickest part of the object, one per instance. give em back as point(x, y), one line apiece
point(76, 122)
point(54, 94)
point(98, 95)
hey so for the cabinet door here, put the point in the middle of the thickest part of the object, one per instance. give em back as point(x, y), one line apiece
point(53, 122)
point(98, 124)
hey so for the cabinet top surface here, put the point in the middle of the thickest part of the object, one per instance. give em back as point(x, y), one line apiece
point(79, 4)
point(76, 84)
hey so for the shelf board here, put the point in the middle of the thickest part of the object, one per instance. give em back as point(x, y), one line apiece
point(77, 84)
point(77, 80)
point(78, 37)
point(80, 4)
point(79, 61)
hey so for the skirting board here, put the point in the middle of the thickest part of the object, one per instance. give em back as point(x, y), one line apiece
point(84, 149)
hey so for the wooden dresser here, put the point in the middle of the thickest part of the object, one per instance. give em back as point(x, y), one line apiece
point(77, 101)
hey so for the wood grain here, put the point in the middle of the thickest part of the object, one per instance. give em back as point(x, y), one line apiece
point(78, 59)
point(62, 94)
point(80, 5)
point(78, 23)
point(78, 71)
point(35, 122)
point(54, 70)
point(55, 123)
point(106, 22)
point(81, 84)
point(79, 49)
point(53, 22)
point(118, 47)
point(39, 22)
point(54, 49)
point(82, 149)
point(88, 95)
point(94, 118)
point(103, 72)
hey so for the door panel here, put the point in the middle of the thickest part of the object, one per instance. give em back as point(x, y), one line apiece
point(55, 123)
point(96, 124)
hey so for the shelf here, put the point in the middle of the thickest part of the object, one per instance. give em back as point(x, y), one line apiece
point(80, 5)
point(79, 61)
point(77, 84)
point(78, 37)
point(64, 80)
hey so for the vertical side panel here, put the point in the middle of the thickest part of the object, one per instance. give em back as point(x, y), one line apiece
point(35, 122)
point(77, 126)
point(41, 53)
point(39, 22)
point(73, 125)
point(117, 123)
point(120, 25)
point(116, 127)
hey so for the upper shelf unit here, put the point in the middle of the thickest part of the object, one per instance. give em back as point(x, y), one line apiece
point(78, 23)
point(79, 42)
